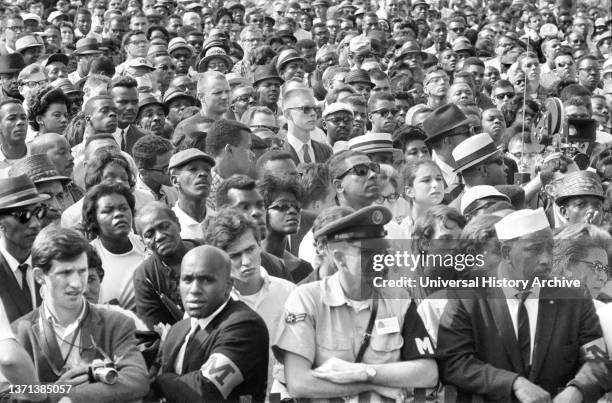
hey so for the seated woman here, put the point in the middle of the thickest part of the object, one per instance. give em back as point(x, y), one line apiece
point(581, 252)
point(108, 209)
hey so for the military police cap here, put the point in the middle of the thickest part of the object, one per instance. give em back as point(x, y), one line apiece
point(365, 223)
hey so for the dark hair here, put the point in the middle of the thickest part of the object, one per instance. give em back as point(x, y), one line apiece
point(57, 243)
point(123, 81)
point(406, 134)
point(75, 130)
point(236, 181)
point(425, 226)
point(271, 186)
point(222, 12)
point(314, 178)
point(223, 132)
point(272, 155)
point(379, 96)
point(160, 29)
point(94, 261)
point(100, 159)
point(227, 226)
point(183, 140)
point(102, 65)
point(90, 204)
point(39, 104)
point(574, 90)
point(515, 193)
point(147, 148)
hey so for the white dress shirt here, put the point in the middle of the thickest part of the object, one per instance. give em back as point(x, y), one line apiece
point(67, 337)
point(196, 323)
point(298, 144)
point(531, 304)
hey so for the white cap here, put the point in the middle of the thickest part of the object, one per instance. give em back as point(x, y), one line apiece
point(520, 223)
point(479, 192)
point(340, 146)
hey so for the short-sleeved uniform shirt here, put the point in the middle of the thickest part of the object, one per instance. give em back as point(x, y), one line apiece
point(320, 323)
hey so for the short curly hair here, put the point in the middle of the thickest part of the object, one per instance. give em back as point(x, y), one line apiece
point(271, 186)
point(227, 226)
point(39, 104)
point(147, 148)
point(100, 159)
point(90, 204)
point(223, 132)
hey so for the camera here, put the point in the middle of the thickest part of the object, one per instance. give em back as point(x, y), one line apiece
point(104, 371)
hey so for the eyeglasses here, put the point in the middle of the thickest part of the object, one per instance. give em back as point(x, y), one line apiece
point(284, 206)
point(590, 69)
point(597, 266)
point(244, 98)
point(16, 28)
point(33, 84)
point(273, 129)
point(138, 43)
point(390, 198)
point(306, 110)
point(361, 170)
point(386, 112)
point(24, 216)
point(568, 64)
point(504, 95)
point(458, 29)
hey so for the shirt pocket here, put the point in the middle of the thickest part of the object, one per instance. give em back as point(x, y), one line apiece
point(333, 344)
point(384, 348)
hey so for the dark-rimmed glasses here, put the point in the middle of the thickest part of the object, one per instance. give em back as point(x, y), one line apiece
point(361, 170)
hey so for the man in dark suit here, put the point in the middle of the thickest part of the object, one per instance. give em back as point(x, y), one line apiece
point(21, 213)
point(219, 353)
point(299, 109)
point(124, 92)
point(66, 333)
point(525, 341)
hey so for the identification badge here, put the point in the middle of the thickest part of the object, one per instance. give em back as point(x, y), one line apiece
point(387, 325)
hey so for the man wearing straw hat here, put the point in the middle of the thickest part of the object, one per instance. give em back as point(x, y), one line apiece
point(520, 336)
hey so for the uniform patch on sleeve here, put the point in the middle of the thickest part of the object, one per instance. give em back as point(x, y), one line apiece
point(294, 317)
point(223, 373)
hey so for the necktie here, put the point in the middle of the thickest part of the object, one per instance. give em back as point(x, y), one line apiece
point(524, 335)
point(191, 348)
point(122, 139)
point(307, 158)
point(25, 288)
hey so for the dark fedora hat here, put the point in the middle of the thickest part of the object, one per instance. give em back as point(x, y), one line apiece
point(442, 121)
point(146, 99)
point(38, 168)
point(358, 76)
point(11, 63)
point(87, 46)
point(19, 191)
point(265, 72)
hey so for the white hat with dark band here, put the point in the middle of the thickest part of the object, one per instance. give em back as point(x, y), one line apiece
point(474, 150)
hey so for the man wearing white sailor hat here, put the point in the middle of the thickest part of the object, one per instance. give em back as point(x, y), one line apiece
point(524, 335)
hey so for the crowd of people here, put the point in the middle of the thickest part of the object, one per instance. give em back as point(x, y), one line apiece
point(305, 200)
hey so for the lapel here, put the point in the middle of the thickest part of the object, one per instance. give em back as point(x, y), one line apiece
point(547, 316)
point(193, 347)
point(291, 151)
point(499, 311)
point(174, 341)
point(14, 290)
point(92, 329)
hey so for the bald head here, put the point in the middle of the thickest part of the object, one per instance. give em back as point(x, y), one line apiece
point(43, 142)
point(207, 79)
point(205, 280)
point(57, 148)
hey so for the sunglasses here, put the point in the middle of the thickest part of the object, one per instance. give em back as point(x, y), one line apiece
point(361, 170)
point(284, 206)
point(273, 129)
point(597, 266)
point(339, 119)
point(24, 216)
point(306, 110)
point(244, 98)
point(390, 198)
point(563, 65)
point(386, 112)
point(505, 95)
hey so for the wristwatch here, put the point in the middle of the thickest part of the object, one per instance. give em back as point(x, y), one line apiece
point(371, 372)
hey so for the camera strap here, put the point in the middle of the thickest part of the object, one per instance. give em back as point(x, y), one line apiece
point(368, 333)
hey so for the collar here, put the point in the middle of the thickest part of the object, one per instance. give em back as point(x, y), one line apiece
point(333, 295)
point(265, 286)
point(296, 143)
point(511, 293)
point(203, 322)
point(49, 315)
point(186, 218)
point(10, 260)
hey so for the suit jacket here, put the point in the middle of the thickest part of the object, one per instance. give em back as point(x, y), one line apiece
point(479, 353)
point(10, 292)
point(238, 339)
point(322, 152)
point(132, 136)
point(112, 332)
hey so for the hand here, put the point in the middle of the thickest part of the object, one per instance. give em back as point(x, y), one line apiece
point(162, 329)
point(75, 376)
point(570, 394)
point(339, 371)
point(527, 392)
point(397, 394)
